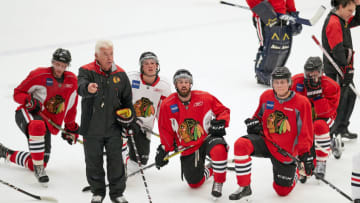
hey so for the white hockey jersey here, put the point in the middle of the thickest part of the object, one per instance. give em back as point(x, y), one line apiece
point(147, 98)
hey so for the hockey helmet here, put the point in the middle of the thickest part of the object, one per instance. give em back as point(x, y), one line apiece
point(62, 55)
point(148, 55)
point(281, 72)
point(182, 73)
point(313, 63)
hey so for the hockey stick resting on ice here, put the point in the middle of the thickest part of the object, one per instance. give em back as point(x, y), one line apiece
point(29, 194)
point(310, 22)
point(334, 64)
point(59, 127)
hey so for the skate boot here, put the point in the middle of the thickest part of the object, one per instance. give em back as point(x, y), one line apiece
point(349, 135)
point(40, 174)
point(120, 199)
point(337, 146)
point(4, 151)
point(216, 190)
point(302, 179)
point(97, 199)
point(357, 201)
point(320, 169)
point(241, 192)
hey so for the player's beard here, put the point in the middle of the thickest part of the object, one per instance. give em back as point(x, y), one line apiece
point(184, 92)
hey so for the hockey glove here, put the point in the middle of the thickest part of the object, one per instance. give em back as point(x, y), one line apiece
point(308, 160)
point(217, 128)
point(313, 88)
point(159, 158)
point(124, 117)
point(296, 28)
point(32, 105)
point(253, 126)
point(348, 72)
point(72, 128)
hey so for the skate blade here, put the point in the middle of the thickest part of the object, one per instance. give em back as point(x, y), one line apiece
point(45, 185)
point(215, 198)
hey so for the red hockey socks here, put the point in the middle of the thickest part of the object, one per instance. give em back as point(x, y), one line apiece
point(218, 155)
point(242, 150)
point(37, 131)
point(322, 140)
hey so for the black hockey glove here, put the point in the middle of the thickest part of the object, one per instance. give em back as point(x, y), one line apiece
point(217, 128)
point(348, 72)
point(308, 160)
point(313, 88)
point(32, 105)
point(253, 126)
point(159, 158)
point(296, 28)
point(72, 128)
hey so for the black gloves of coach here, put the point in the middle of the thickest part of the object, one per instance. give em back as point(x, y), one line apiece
point(32, 105)
point(253, 126)
point(160, 155)
point(313, 88)
point(308, 161)
point(72, 128)
point(217, 128)
point(348, 72)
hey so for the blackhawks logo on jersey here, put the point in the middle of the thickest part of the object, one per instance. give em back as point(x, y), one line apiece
point(190, 130)
point(144, 107)
point(277, 122)
point(55, 104)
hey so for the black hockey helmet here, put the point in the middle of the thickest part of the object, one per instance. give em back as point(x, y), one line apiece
point(62, 55)
point(148, 55)
point(281, 72)
point(182, 73)
point(313, 63)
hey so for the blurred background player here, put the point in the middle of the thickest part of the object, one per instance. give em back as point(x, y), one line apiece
point(196, 119)
point(336, 39)
point(275, 36)
point(51, 91)
point(323, 93)
point(148, 91)
point(283, 117)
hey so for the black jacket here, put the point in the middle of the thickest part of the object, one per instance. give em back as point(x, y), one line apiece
point(98, 110)
point(336, 39)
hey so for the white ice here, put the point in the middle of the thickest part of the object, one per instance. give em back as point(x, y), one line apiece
point(216, 42)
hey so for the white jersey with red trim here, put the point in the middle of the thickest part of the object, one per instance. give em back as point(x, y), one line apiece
point(59, 99)
point(147, 98)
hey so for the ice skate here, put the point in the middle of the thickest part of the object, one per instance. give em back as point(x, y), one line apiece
point(216, 190)
point(97, 199)
point(243, 193)
point(120, 199)
point(337, 146)
point(320, 169)
point(40, 175)
point(4, 151)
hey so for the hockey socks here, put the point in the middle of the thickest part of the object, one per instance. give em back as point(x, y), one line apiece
point(37, 131)
point(218, 155)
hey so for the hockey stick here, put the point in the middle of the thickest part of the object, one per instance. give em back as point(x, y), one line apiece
point(59, 127)
point(29, 194)
point(87, 188)
point(310, 22)
point(298, 163)
point(334, 64)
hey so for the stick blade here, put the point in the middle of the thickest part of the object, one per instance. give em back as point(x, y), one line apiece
point(318, 15)
point(50, 199)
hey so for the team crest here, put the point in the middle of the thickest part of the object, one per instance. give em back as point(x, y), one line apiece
point(144, 107)
point(116, 79)
point(190, 130)
point(55, 104)
point(277, 122)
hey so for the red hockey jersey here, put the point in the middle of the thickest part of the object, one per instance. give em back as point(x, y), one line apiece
point(188, 125)
point(280, 6)
point(287, 123)
point(326, 105)
point(59, 100)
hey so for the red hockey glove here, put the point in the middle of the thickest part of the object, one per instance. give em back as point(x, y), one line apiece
point(217, 128)
point(348, 72)
point(32, 105)
point(313, 88)
point(308, 160)
point(72, 128)
point(253, 126)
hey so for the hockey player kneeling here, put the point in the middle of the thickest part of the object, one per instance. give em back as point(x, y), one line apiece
point(281, 123)
point(197, 120)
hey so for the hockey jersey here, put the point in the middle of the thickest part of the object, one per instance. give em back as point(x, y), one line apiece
point(147, 98)
point(325, 106)
point(188, 124)
point(59, 99)
point(287, 123)
point(280, 6)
